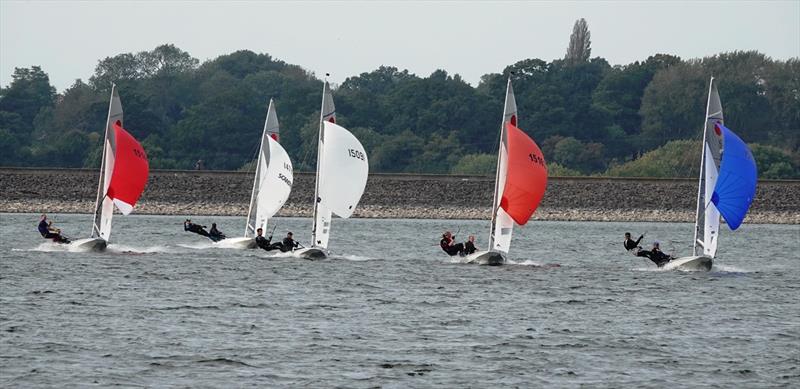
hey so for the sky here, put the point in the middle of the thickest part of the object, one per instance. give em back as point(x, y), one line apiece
point(345, 38)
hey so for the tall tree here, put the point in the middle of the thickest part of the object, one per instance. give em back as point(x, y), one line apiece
point(580, 43)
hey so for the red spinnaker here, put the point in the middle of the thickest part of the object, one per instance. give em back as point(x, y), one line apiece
point(130, 171)
point(526, 178)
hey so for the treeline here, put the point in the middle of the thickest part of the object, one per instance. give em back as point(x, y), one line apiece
point(589, 117)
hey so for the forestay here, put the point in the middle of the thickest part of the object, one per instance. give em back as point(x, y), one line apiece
point(707, 216)
point(123, 172)
point(273, 178)
point(521, 178)
point(344, 168)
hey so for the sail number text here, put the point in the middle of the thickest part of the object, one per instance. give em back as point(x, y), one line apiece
point(536, 159)
point(139, 153)
point(356, 154)
point(284, 179)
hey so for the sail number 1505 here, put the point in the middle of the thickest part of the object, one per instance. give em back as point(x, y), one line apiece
point(356, 154)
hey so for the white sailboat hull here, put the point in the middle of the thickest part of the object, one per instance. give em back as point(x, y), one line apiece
point(240, 243)
point(89, 244)
point(309, 253)
point(490, 258)
point(691, 263)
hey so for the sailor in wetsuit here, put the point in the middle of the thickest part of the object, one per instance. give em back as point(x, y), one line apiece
point(449, 245)
point(215, 234)
point(656, 255)
point(264, 243)
point(49, 232)
point(288, 243)
point(629, 243)
point(469, 245)
point(196, 228)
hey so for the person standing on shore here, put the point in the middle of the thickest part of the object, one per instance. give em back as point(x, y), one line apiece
point(629, 243)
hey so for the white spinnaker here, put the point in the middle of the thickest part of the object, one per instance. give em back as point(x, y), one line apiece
point(502, 224)
point(342, 178)
point(276, 184)
point(256, 216)
point(707, 216)
point(104, 206)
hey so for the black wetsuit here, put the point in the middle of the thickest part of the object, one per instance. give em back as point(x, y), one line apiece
point(262, 242)
point(630, 244)
point(287, 245)
point(196, 228)
point(657, 256)
point(469, 248)
point(216, 235)
point(451, 250)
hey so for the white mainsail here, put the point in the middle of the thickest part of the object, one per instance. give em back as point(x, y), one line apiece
point(273, 179)
point(502, 223)
point(342, 170)
point(104, 205)
point(707, 218)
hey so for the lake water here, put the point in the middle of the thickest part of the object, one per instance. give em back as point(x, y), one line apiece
point(162, 307)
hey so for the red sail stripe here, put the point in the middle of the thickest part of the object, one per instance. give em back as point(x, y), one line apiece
point(130, 168)
point(526, 179)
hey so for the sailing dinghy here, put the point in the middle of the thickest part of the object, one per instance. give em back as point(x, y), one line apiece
point(271, 186)
point(727, 186)
point(520, 183)
point(123, 176)
point(342, 169)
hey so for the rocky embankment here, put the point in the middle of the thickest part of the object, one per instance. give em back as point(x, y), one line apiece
point(391, 196)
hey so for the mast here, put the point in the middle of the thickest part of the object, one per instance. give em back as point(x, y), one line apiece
point(705, 228)
point(103, 207)
point(270, 127)
point(327, 112)
point(509, 114)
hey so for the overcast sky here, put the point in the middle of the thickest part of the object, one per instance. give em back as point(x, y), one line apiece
point(346, 38)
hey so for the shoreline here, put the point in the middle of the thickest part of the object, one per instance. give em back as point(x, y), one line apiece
point(406, 196)
point(395, 212)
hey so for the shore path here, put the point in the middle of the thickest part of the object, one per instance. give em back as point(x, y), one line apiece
point(193, 193)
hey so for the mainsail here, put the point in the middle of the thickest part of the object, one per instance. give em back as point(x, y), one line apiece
point(521, 178)
point(123, 171)
point(273, 179)
point(738, 175)
point(707, 216)
point(342, 169)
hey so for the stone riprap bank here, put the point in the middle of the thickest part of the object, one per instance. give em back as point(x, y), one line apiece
point(391, 196)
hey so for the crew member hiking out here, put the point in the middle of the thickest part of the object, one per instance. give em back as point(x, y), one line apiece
point(449, 245)
point(196, 228)
point(47, 231)
point(656, 255)
point(629, 243)
point(288, 243)
point(264, 243)
point(215, 234)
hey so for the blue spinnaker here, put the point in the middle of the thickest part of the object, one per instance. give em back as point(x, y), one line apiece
point(736, 185)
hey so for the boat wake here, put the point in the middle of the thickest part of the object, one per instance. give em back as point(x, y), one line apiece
point(123, 249)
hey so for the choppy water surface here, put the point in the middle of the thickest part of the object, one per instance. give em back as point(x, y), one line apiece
point(163, 307)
